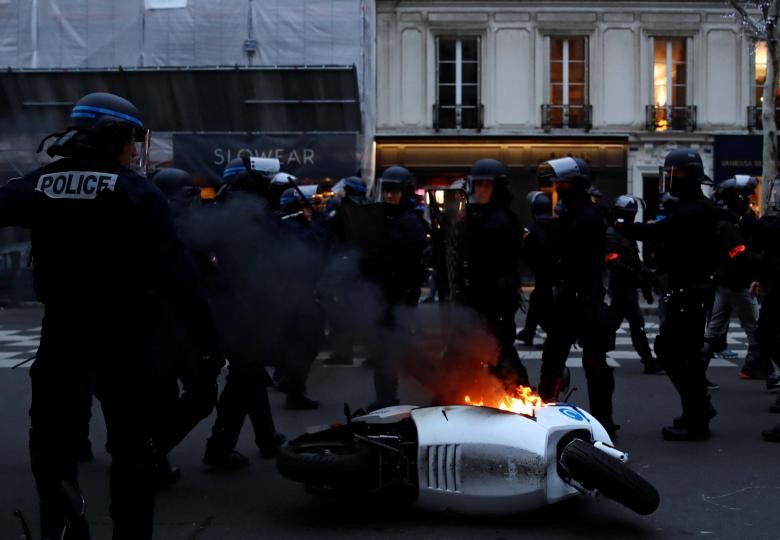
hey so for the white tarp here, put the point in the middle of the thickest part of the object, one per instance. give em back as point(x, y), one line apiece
point(165, 4)
point(111, 33)
point(107, 34)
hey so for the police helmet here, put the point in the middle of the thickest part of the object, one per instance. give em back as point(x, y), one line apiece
point(294, 199)
point(354, 186)
point(683, 172)
point(667, 204)
point(101, 123)
point(172, 181)
point(232, 170)
point(396, 179)
point(540, 203)
point(626, 207)
point(734, 193)
point(567, 169)
point(284, 179)
point(488, 169)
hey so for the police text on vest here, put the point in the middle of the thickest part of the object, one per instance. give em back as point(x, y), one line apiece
point(75, 184)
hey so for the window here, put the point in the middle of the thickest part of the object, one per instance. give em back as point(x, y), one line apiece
point(568, 82)
point(669, 83)
point(458, 98)
point(759, 64)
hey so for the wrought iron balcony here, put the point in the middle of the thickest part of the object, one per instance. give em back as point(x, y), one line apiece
point(567, 117)
point(458, 116)
point(754, 120)
point(670, 117)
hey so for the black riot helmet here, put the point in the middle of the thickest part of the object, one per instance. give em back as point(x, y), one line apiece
point(734, 193)
point(177, 185)
point(625, 208)
point(540, 203)
point(683, 174)
point(100, 125)
point(493, 171)
point(396, 179)
point(570, 176)
point(250, 174)
point(568, 169)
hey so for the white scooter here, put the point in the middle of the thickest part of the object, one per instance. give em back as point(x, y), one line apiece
point(468, 459)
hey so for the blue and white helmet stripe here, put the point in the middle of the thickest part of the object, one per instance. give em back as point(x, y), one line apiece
point(232, 171)
point(87, 111)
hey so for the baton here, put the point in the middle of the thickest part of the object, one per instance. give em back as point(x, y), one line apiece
point(23, 362)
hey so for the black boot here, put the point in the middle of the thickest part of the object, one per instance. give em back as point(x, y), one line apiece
point(270, 445)
point(687, 431)
point(772, 435)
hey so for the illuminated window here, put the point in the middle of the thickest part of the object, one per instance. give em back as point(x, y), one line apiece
point(457, 85)
point(669, 82)
point(759, 63)
point(568, 81)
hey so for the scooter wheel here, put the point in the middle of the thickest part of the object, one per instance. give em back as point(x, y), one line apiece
point(326, 463)
point(596, 470)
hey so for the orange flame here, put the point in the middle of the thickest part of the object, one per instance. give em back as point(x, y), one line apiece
point(523, 401)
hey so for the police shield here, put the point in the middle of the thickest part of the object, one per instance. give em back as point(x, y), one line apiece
point(446, 207)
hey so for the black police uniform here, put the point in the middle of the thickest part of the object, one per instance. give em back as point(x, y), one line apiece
point(489, 241)
point(104, 250)
point(688, 241)
point(234, 238)
point(626, 274)
point(302, 336)
point(765, 234)
point(537, 252)
point(177, 410)
point(397, 269)
point(578, 312)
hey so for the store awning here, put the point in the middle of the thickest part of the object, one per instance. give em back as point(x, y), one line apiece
point(224, 99)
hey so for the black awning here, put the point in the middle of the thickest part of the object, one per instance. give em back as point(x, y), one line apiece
point(280, 99)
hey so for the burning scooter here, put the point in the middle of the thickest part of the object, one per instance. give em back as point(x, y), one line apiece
point(499, 456)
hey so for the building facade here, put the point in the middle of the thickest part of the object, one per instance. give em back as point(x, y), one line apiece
point(617, 83)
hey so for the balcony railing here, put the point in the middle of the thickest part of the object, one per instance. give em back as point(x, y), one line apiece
point(674, 118)
point(567, 117)
point(458, 117)
point(754, 120)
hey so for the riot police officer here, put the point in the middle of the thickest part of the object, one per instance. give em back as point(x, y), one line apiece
point(177, 412)
point(105, 251)
point(487, 280)
point(627, 273)
point(578, 312)
point(397, 268)
point(688, 244)
point(302, 335)
point(733, 276)
point(230, 236)
point(765, 234)
point(537, 252)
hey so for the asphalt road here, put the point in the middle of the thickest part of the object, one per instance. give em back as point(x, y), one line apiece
point(727, 487)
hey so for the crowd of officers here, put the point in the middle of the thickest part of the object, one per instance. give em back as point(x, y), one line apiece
point(148, 287)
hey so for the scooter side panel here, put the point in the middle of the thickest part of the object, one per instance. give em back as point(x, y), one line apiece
point(477, 460)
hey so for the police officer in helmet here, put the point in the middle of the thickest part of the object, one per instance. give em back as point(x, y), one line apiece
point(578, 312)
point(687, 242)
point(627, 273)
point(397, 269)
point(487, 279)
point(733, 276)
point(105, 251)
point(536, 251)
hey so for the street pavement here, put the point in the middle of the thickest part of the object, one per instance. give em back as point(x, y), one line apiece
point(727, 487)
